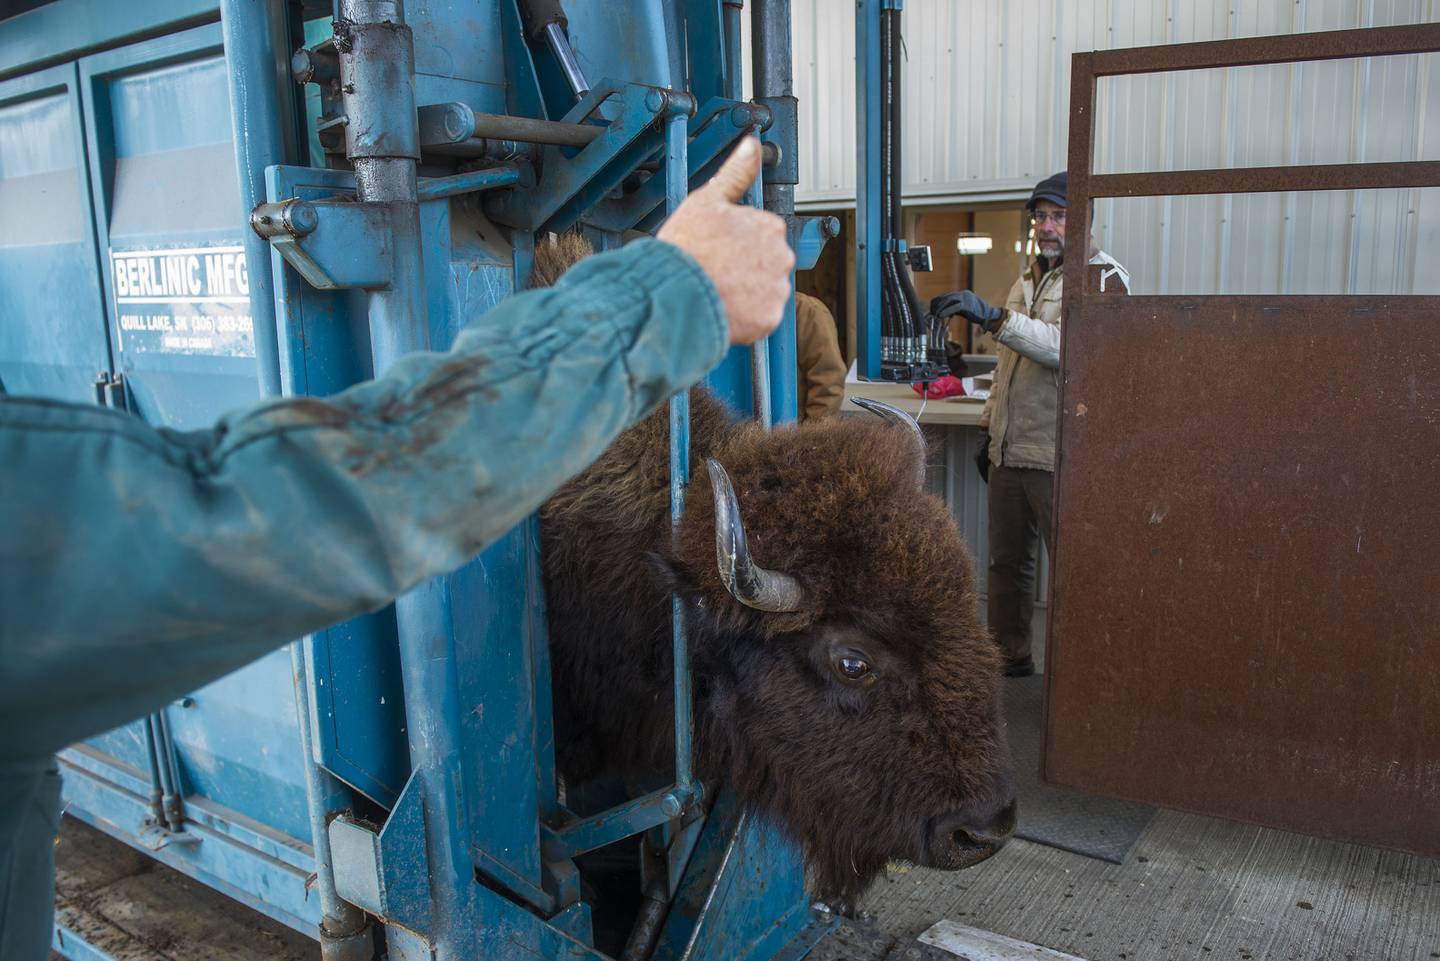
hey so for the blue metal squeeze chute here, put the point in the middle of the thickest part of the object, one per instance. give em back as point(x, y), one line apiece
point(390, 782)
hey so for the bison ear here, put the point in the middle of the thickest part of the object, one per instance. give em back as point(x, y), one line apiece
point(671, 577)
point(674, 578)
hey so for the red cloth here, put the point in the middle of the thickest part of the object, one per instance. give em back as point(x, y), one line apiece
point(946, 386)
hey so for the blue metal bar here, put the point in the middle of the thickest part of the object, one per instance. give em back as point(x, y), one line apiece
point(734, 58)
point(506, 175)
point(633, 817)
point(344, 929)
point(68, 944)
point(225, 854)
point(251, 49)
point(773, 75)
point(68, 29)
point(377, 68)
point(677, 185)
point(540, 666)
point(784, 366)
point(868, 227)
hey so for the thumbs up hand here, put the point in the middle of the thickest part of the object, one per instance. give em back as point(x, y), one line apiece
point(741, 249)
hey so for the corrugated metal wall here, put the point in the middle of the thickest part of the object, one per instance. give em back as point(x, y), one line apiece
point(986, 114)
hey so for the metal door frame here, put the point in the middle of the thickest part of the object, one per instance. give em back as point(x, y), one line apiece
point(1108, 770)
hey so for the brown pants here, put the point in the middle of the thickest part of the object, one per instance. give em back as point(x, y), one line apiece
point(1019, 510)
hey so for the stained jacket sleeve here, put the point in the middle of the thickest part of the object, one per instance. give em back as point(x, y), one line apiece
point(137, 564)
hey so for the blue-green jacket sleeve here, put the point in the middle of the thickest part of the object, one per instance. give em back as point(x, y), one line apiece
point(137, 564)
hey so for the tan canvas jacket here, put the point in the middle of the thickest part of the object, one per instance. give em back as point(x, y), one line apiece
point(821, 386)
point(1020, 413)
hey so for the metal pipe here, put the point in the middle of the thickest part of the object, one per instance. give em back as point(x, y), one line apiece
point(487, 179)
point(760, 351)
point(646, 931)
point(773, 77)
point(734, 89)
point(870, 341)
point(677, 186)
point(734, 55)
point(174, 809)
point(735, 85)
point(772, 73)
point(494, 126)
point(157, 790)
point(254, 40)
point(377, 68)
point(560, 46)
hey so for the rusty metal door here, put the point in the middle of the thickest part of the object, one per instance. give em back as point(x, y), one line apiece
point(1245, 606)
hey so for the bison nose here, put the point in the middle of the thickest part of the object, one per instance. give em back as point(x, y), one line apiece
point(961, 840)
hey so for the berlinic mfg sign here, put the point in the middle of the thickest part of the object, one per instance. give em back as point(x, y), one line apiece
point(185, 300)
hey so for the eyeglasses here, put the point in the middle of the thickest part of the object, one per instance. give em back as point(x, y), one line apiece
point(1041, 216)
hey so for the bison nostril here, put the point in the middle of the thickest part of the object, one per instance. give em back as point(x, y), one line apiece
point(1004, 822)
point(961, 840)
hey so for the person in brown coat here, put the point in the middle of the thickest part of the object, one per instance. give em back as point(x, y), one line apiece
point(820, 387)
point(1019, 420)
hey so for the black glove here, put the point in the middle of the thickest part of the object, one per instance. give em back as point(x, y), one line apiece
point(968, 304)
point(982, 456)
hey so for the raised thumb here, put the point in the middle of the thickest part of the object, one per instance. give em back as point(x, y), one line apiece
point(739, 171)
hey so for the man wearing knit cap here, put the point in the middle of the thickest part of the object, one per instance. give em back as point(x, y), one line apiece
point(1018, 424)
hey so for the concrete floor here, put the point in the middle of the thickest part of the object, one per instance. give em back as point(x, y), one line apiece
point(137, 909)
point(1197, 889)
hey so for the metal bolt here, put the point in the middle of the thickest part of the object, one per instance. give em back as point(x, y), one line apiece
point(671, 806)
point(300, 217)
point(454, 121)
point(302, 66)
point(655, 101)
point(742, 117)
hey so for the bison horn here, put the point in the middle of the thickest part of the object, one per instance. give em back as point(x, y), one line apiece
point(751, 584)
point(898, 416)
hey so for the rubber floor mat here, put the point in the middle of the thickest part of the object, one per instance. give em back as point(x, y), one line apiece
point(1096, 827)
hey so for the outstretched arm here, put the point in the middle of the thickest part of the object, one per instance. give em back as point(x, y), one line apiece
point(137, 564)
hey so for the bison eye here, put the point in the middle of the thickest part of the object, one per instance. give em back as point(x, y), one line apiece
point(853, 669)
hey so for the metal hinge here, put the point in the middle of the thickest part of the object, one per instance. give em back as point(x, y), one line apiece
point(110, 391)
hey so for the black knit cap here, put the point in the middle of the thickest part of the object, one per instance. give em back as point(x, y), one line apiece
point(1053, 188)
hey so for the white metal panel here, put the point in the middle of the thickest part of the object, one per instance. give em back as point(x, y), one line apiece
point(986, 115)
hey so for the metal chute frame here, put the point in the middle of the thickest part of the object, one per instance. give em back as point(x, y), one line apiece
point(345, 260)
point(568, 185)
point(1222, 619)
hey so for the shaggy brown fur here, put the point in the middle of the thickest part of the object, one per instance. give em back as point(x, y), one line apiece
point(857, 777)
point(556, 254)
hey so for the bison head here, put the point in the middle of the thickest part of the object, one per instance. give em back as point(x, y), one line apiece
point(847, 687)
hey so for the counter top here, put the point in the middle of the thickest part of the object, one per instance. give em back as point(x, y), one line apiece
point(949, 412)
